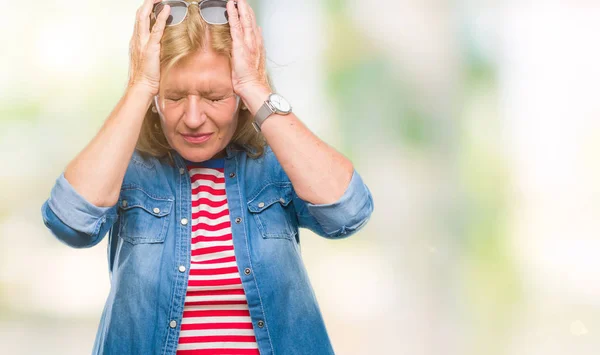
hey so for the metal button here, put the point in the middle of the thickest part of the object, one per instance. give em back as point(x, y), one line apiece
point(238, 220)
point(172, 324)
point(156, 210)
point(181, 268)
point(261, 205)
point(261, 324)
point(124, 203)
point(247, 271)
point(181, 171)
point(232, 175)
point(282, 200)
point(184, 221)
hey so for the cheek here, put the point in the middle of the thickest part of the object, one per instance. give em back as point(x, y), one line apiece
point(227, 123)
point(169, 131)
point(168, 126)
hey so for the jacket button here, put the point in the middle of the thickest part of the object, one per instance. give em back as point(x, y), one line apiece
point(181, 171)
point(232, 175)
point(124, 203)
point(261, 205)
point(173, 324)
point(282, 200)
point(247, 271)
point(261, 324)
point(184, 221)
point(181, 268)
point(156, 210)
point(238, 220)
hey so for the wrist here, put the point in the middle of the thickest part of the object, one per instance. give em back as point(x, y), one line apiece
point(254, 97)
point(141, 91)
point(139, 95)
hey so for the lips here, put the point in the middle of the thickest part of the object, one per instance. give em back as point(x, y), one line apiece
point(197, 138)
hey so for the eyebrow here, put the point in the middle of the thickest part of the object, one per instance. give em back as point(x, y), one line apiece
point(202, 93)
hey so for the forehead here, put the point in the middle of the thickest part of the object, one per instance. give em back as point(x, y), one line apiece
point(202, 71)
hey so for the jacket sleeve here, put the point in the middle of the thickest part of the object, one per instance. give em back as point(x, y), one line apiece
point(341, 218)
point(72, 219)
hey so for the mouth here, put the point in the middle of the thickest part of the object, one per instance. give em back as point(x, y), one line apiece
point(197, 138)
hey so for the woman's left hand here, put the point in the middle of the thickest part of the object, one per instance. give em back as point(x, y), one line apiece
point(248, 70)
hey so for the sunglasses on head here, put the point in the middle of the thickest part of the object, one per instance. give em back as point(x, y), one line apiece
point(213, 12)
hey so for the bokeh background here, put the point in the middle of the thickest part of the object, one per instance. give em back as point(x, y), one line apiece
point(474, 123)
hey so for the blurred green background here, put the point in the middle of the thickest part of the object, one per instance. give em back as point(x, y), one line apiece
point(474, 123)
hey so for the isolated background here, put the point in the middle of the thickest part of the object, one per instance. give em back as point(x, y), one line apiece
point(475, 124)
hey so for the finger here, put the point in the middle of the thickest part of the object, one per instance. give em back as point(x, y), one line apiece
point(260, 49)
point(235, 26)
point(159, 26)
point(258, 40)
point(246, 20)
point(144, 17)
point(253, 21)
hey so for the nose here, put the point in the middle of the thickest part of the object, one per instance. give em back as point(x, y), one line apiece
point(195, 112)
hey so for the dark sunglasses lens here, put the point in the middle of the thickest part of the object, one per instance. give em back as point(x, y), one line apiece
point(178, 11)
point(214, 11)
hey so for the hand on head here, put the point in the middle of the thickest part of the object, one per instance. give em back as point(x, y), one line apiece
point(248, 53)
point(144, 47)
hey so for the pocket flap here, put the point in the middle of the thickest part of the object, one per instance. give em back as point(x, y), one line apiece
point(134, 197)
point(270, 194)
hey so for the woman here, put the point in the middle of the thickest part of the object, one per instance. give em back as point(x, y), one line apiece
point(201, 189)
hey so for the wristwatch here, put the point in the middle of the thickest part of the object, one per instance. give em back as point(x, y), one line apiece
point(274, 104)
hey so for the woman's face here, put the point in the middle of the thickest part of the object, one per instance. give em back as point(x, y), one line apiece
point(199, 108)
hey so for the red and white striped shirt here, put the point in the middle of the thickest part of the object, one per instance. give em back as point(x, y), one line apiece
point(216, 319)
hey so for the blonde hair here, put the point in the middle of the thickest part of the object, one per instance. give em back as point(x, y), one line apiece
point(177, 43)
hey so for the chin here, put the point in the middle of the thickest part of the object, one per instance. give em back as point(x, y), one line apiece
point(198, 154)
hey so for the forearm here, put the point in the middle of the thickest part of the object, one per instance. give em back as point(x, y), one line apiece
point(97, 172)
point(319, 174)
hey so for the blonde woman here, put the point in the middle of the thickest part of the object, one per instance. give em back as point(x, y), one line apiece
point(201, 177)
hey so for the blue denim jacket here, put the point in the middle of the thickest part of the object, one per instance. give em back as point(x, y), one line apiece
point(149, 241)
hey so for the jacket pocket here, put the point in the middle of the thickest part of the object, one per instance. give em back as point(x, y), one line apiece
point(144, 218)
point(272, 211)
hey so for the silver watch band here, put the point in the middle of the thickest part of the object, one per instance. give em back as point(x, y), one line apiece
point(263, 113)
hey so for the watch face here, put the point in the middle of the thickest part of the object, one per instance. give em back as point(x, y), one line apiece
point(280, 103)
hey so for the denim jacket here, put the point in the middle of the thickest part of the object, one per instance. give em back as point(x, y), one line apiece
point(149, 240)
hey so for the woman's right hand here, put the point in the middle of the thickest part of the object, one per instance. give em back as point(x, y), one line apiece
point(144, 48)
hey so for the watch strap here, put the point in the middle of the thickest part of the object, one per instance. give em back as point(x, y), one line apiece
point(263, 113)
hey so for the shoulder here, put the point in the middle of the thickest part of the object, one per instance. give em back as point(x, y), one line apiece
point(142, 160)
point(265, 179)
point(140, 165)
point(265, 168)
point(146, 172)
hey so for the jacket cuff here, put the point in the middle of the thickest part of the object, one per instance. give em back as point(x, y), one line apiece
point(349, 213)
point(75, 211)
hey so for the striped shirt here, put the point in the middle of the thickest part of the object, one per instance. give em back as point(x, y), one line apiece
point(216, 319)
